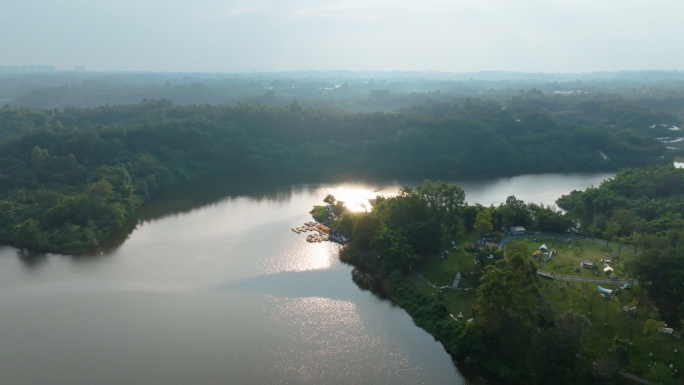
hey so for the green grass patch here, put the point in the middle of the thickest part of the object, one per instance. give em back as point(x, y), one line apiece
point(442, 270)
point(455, 300)
point(320, 213)
point(571, 254)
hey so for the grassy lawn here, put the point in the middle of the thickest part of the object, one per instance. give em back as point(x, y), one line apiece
point(441, 271)
point(606, 315)
point(571, 254)
point(455, 300)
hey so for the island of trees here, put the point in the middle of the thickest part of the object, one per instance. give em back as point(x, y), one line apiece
point(505, 316)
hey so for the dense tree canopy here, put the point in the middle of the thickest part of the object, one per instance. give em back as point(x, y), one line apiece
point(643, 207)
point(78, 174)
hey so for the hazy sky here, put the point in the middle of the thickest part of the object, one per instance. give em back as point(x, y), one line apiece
point(455, 36)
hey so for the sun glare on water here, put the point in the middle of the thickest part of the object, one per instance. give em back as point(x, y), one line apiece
point(355, 198)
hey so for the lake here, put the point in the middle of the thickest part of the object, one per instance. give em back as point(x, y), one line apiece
point(208, 285)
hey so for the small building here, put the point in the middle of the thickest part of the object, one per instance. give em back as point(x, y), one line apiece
point(544, 249)
point(323, 228)
point(516, 230)
point(588, 264)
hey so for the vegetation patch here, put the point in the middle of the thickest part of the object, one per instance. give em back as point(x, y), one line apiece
point(497, 300)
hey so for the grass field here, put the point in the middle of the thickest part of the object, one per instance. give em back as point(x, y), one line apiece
point(571, 254)
point(607, 316)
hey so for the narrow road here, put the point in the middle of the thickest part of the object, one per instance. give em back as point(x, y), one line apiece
point(432, 285)
point(572, 278)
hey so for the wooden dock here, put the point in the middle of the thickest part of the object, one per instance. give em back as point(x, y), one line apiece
point(319, 235)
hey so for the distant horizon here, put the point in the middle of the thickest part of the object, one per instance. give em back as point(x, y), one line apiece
point(5, 69)
point(491, 75)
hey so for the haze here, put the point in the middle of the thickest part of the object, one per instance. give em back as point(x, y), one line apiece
point(451, 36)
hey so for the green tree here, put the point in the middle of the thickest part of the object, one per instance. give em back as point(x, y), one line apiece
point(39, 155)
point(443, 199)
point(394, 252)
point(365, 227)
point(29, 235)
point(620, 350)
point(612, 228)
point(483, 223)
point(555, 351)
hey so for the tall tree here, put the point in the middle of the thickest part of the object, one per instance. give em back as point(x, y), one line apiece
point(483, 223)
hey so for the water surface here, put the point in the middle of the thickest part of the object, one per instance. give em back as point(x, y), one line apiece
point(209, 286)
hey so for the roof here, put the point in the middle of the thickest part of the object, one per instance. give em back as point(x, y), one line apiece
point(588, 262)
point(517, 228)
point(543, 247)
point(607, 268)
point(604, 290)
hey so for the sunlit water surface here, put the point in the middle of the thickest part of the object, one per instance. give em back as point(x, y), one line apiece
point(210, 286)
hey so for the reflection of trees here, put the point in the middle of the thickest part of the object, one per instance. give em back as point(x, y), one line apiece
point(366, 282)
point(31, 259)
point(190, 196)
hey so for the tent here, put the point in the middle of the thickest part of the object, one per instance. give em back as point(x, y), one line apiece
point(604, 290)
point(543, 248)
point(607, 269)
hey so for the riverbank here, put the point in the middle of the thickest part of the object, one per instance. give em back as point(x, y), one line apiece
point(430, 310)
point(434, 279)
point(574, 293)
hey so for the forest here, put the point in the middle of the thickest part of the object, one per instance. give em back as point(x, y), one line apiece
point(563, 343)
point(69, 178)
point(642, 208)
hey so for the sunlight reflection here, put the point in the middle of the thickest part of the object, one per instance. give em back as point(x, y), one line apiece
point(321, 330)
point(356, 198)
point(302, 257)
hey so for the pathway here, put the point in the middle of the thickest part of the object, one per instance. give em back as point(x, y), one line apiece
point(456, 279)
point(432, 285)
point(572, 278)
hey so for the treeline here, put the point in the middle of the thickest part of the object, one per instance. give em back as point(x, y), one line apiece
point(514, 332)
point(645, 209)
point(69, 178)
point(643, 113)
